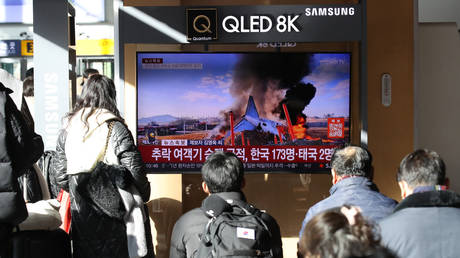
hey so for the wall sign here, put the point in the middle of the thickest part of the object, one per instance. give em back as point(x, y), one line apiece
point(201, 24)
point(248, 24)
point(27, 47)
point(266, 23)
point(10, 48)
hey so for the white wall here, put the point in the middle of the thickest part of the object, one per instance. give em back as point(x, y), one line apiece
point(439, 11)
point(13, 31)
point(437, 94)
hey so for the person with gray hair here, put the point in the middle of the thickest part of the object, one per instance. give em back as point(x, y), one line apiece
point(351, 171)
point(426, 223)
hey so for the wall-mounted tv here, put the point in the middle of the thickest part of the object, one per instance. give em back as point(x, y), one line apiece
point(278, 112)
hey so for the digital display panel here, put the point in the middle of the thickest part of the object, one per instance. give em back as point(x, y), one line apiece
point(276, 111)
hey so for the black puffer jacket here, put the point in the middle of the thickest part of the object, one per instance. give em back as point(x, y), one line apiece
point(20, 147)
point(94, 233)
point(125, 150)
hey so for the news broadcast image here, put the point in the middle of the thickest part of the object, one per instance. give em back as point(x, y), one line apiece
point(275, 111)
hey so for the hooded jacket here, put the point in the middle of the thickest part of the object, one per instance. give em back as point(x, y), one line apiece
point(424, 224)
point(78, 149)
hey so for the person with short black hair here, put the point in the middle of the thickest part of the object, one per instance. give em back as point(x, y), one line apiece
point(222, 172)
point(351, 170)
point(341, 232)
point(30, 72)
point(426, 223)
point(223, 176)
point(87, 74)
point(28, 87)
point(28, 103)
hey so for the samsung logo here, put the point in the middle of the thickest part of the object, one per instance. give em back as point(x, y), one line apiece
point(331, 11)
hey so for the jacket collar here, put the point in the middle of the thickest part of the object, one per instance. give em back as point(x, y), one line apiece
point(351, 181)
point(430, 199)
point(216, 203)
point(232, 196)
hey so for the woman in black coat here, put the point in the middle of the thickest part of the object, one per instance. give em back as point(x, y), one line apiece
point(94, 132)
point(20, 147)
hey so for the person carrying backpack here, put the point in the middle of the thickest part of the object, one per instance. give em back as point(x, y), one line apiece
point(225, 225)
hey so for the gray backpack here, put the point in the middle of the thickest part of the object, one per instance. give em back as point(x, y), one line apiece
point(235, 229)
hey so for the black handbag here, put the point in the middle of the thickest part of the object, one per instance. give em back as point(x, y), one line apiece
point(100, 186)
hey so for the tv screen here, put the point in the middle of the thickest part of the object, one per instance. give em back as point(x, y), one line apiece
point(275, 111)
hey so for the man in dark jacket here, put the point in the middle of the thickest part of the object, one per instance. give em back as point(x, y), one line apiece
point(426, 223)
point(223, 175)
point(19, 149)
point(351, 171)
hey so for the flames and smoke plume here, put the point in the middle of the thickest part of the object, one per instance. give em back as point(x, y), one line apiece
point(266, 77)
point(272, 79)
point(296, 99)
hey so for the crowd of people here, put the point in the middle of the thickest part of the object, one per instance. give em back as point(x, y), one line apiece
point(98, 163)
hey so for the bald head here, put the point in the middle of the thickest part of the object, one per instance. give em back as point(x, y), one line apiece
point(351, 161)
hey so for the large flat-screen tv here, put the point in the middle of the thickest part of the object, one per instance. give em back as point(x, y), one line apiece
point(278, 112)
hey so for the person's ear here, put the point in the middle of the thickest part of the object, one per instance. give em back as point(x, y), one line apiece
point(405, 189)
point(205, 188)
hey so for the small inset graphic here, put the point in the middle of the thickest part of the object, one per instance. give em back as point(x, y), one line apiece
point(201, 24)
point(335, 127)
point(247, 233)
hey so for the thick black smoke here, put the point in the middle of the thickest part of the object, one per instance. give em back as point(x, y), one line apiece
point(296, 99)
point(264, 76)
point(287, 68)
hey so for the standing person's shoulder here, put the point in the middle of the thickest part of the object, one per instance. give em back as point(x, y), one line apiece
point(272, 224)
point(192, 217)
point(276, 242)
point(120, 129)
point(267, 217)
point(121, 136)
point(326, 203)
point(185, 235)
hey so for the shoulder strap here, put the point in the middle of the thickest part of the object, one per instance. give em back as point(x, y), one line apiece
point(108, 137)
point(248, 208)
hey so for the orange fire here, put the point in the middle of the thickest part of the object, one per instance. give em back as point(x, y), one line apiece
point(300, 131)
point(221, 134)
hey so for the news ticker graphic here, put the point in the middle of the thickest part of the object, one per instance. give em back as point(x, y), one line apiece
point(251, 154)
